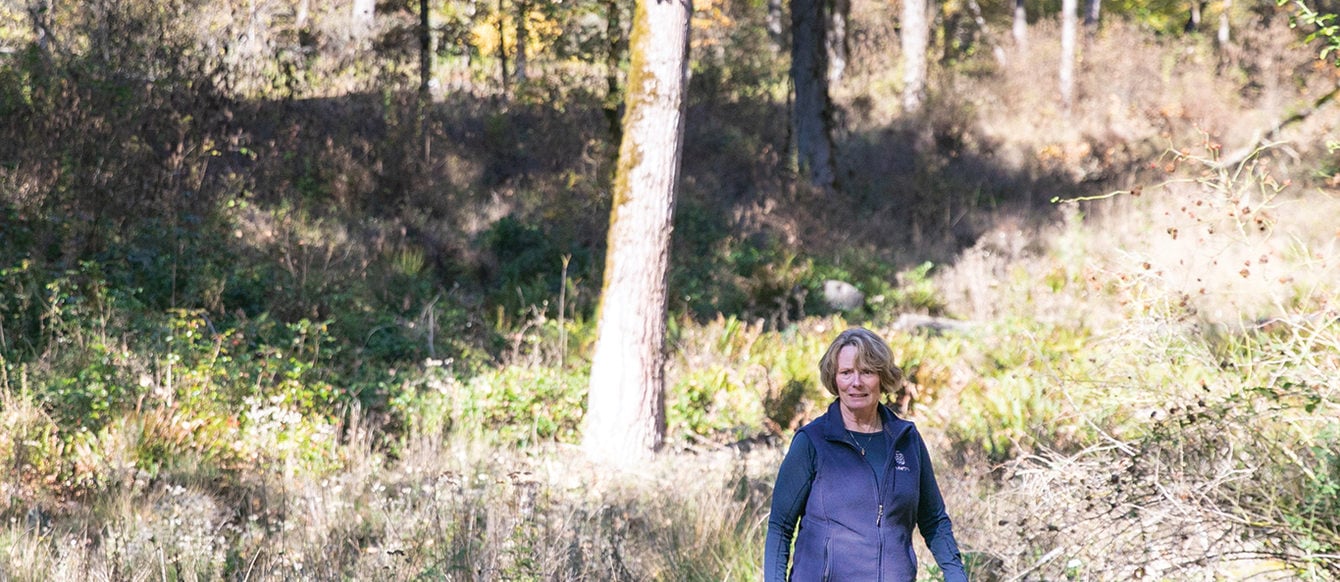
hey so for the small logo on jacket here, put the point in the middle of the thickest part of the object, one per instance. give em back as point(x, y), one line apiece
point(901, 461)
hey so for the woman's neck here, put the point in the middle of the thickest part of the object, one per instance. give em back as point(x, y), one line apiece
point(862, 420)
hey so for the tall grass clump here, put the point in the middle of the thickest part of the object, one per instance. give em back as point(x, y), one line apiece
point(453, 509)
point(1202, 418)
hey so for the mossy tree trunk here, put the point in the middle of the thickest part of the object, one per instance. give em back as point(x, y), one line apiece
point(625, 418)
point(811, 116)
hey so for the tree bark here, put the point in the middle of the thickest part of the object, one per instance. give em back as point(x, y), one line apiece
point(614, 46)
point(1223, 36)
point(425, 80)
point(836, 38)
point(362, 20)
point(425, 50)
point(39, 14)
point(625, 418)
point(812, 115)
point(915, 41)
point(522, 34)
point(1092, 11)
point(1020, 29)
point(775, 24)
point(1194, 17)
point(502, 45)
point(1068, 49)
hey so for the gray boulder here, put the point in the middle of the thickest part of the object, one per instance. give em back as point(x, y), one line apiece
point(842, 296)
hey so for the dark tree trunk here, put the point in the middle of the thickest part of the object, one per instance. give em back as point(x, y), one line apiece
point(502, 45)
point(614, 47)
point(1092, 12)
point(522, 35)
point(425, 50)
point(811, 117)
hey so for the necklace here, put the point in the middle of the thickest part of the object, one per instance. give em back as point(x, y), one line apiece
point(869, 438)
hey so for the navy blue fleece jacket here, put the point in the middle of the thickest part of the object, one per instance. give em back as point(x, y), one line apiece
point(856, 512)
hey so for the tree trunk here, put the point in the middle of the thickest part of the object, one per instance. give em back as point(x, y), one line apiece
point(775, 24)
point(1068, 49)
point(811, 118)
point(836, 38)
point(625, 418)
point(1092, 10)
point(425, 51)
point(362, 20)
point(522, 34)
point(425, 80)
point(1020, 30)
point(1222, 37)
point(1193, 19)
point(915, 41)
point(614, 45)
point(502, 45)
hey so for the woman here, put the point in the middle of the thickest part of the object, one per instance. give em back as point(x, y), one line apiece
point(857, 479)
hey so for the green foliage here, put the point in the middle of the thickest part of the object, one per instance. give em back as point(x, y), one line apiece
point(514, 405)
point(1024, 396)
point(1163, 16)
point(1324, 25)
point(713, 401)
point(530, 265)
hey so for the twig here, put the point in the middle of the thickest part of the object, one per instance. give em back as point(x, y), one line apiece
point(1049, 556)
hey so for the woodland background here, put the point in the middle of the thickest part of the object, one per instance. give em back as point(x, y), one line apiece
point(275, 303)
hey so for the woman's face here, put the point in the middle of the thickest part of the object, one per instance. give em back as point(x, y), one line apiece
point(858, 389)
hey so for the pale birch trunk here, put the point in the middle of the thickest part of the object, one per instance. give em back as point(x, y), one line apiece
point(774, 23)
point(916, 32)
point(1068, 49)
point(1194, 18)
point(836, 39)
point(1020, 29)
point(625, 417)
point(362, 18)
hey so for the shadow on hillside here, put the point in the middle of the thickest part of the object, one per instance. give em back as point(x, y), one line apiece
point(488, 197)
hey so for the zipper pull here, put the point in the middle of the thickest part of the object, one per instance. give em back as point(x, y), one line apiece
point(880, 518)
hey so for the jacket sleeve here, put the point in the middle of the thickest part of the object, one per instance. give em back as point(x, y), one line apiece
point(933, 521)
point(789, 495)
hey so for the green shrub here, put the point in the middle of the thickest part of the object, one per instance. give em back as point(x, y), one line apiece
point(517, 405)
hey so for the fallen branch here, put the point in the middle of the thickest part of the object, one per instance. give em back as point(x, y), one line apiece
point(1263, 139)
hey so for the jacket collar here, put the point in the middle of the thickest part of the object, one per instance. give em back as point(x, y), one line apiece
point(834, 430)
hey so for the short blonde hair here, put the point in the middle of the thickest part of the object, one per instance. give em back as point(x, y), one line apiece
point(871, 353)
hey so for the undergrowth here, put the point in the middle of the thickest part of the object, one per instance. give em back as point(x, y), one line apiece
point(265, 315)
